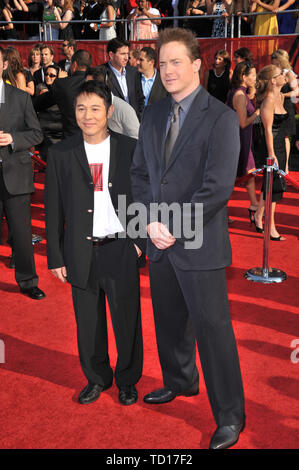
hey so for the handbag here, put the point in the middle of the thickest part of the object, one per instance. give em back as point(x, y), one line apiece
point(279, 182)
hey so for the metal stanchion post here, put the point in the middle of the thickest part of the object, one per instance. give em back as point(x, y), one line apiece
point(266, 274)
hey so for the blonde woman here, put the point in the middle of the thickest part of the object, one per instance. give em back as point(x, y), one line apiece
point(270, 81)
point(280, 58)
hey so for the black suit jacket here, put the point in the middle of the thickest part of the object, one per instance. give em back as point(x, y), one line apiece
point(136, 98)
point(158, 91)
point(201, 169)
point(18, 118)
point(69, 201)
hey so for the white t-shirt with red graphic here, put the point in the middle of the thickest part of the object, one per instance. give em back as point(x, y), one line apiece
point(105, 220)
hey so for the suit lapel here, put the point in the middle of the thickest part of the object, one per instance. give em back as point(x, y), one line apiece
point(81, 154)
point(113, 159)
point(191, 124)
point(159, 129)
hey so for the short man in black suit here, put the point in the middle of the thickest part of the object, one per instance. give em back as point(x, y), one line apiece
point(152, 87)
point(86, 175)
point(125, 79)
point(19, 130)
point(187, 155)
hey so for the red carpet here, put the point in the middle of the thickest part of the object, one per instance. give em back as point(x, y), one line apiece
point(41, 376)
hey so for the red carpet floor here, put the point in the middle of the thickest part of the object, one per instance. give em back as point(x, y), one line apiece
point(41, 375)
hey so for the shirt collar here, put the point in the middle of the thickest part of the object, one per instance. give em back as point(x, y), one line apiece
point(188, 100)
point(144, 79)
point(119, 74)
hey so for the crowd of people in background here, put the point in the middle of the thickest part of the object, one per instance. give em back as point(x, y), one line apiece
point(262, 99)
point(103, 19)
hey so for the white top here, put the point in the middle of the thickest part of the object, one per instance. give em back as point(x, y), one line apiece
point(107, 33)
point(105, 220)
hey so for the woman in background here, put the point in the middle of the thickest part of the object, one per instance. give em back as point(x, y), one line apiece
point(280, 58)
point(217, 79)
point(270, 81)
point(265, 25)
point(15, 74)
point(243, 78)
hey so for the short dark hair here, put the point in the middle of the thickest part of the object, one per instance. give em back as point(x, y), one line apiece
point(150, 53)
point(101, 74)
point(115, 44)
point(97, 88)
point(72, 43)
point(182, 35)
point(82, 58)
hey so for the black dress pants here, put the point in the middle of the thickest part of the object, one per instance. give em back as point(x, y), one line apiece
point(114, 276)
point(18, 214)
point(194, 304)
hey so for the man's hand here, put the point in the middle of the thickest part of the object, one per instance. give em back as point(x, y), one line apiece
point(62, 74)
point(5, 139)
point(160, 235)
point(60, 273)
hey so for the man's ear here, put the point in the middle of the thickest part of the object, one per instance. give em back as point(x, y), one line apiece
point(197, 65)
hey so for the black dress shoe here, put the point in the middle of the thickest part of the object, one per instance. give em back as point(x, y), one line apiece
point(165, 395)
point(226, 436)
point(91, 393)
point(34, 293)
point(127, 394)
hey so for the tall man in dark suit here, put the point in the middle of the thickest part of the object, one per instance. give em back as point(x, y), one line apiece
point(125, 79)
point(152, 87)
point(19, 130)
point(86, 175)
point(187, 154)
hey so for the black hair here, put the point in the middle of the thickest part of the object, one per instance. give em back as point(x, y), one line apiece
point(101, 74)
point(115, 44)
point(97, 88)
point(150, 53)
point(82, 58)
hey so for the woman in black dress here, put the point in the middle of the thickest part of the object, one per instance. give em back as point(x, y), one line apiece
point(280, 58)
point(217, 79)
point(270, 81)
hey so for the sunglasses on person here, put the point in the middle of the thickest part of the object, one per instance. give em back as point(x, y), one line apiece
point(52, 75)
point(65, 45)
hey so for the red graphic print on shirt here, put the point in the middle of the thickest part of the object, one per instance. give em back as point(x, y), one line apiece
point(96, 170)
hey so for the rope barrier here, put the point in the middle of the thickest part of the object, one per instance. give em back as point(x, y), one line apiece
point(258, 172)
point(37, 159)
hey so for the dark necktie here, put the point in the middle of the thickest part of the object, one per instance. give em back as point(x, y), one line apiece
point(173, 132)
